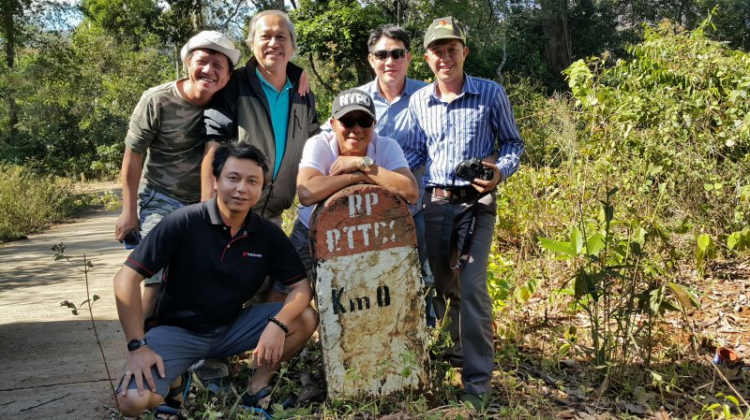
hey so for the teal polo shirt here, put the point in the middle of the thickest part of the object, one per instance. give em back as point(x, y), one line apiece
point(278, 103)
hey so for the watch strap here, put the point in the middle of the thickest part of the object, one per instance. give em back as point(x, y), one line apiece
point(134, 345)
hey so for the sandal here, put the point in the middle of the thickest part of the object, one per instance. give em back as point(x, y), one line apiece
point(177, 395)
point(250, 402)
point(166, 412)
point(174, 399)
point(253, 400)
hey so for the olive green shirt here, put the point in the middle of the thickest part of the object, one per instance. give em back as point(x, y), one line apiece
point(168, 129)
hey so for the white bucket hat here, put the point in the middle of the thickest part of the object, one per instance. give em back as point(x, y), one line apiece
point(211, 40)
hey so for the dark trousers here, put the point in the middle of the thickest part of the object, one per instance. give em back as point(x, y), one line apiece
point(470, 312)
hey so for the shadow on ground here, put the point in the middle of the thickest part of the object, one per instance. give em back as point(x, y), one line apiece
point(49, 362)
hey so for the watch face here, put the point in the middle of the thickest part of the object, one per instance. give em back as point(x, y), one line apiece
point(134, 345)
point(367, 161)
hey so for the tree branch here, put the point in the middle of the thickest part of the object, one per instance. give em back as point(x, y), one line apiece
point(328, 87)
point(232, 15)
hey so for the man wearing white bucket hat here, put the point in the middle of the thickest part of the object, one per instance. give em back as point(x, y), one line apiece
point(166, 129)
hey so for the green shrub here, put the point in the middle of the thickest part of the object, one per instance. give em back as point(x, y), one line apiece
point(674, 114)
point(668, 129)
point(29, 202)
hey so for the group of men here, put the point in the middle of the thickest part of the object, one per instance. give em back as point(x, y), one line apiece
point(226, 153)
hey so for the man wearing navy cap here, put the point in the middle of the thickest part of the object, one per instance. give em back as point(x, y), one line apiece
point(353, 153)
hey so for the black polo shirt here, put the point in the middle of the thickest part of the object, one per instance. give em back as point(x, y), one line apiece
point(208, 274)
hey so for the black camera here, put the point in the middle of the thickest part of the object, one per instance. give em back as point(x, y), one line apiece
point(132, 239)
point(473, 168)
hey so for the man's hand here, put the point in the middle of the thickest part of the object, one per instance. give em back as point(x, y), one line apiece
point(270, 346)
point(484, 186)
point(138, 366)
point(346, 164)
point(304, 84)
point(126, 223)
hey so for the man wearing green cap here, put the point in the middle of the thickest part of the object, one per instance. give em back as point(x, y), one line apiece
point(456, 119)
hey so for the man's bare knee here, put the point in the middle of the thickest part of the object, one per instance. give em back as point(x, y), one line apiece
point(306, 323)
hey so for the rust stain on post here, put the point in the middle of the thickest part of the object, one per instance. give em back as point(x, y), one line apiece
point(369, 293)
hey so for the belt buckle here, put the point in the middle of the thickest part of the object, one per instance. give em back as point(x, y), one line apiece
point(443, 193)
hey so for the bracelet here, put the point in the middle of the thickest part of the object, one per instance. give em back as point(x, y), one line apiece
point(279, 323)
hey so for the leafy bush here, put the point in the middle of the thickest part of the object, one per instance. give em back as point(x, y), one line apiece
point(669, 130)
point(77, 99)
point(676, 114)
point(29, 202)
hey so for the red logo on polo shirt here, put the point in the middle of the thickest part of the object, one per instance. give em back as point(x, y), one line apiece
point(251, 255)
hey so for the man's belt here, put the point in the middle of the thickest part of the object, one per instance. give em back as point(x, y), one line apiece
point(454, 194)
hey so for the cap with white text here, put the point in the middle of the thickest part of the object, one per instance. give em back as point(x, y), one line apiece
point(352, 100)
point(211, 40)
point(445, 28)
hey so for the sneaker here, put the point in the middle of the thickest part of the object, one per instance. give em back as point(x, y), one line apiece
point(476, 401)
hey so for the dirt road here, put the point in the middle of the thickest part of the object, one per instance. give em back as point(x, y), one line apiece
point(51, 365)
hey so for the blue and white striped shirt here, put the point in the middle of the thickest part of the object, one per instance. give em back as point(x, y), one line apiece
point(393, 117)
point(476, 123)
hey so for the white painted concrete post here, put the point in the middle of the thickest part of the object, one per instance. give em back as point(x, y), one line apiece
point(369, 293)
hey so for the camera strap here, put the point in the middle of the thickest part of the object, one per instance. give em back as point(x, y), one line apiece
point(466, 248)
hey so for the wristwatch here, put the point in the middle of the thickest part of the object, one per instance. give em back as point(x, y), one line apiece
point(366, 163)
point(134, 345)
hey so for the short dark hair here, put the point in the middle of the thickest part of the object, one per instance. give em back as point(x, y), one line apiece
point(389, 31)
point(209, 52)
point(241, 151)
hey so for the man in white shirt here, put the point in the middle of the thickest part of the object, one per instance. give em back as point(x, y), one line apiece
point(353, 153)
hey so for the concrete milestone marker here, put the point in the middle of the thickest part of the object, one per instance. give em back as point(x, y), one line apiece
point(368, 286)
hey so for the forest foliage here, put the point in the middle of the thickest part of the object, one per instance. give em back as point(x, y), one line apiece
point(634, 112)
point(73, 71)
point(608, 94)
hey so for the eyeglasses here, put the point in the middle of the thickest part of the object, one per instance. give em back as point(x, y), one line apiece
point(348, 122)
point(395, 54)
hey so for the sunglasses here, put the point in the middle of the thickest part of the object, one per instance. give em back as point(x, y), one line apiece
point(363, 122)
point(395, 54)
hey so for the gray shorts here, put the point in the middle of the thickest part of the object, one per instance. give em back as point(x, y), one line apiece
point(300, 238)
point(154, 206)
point(180, 348)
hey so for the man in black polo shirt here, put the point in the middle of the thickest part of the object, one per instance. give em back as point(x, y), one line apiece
point(215, 256)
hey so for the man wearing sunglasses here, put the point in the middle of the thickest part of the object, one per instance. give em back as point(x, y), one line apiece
point(352, 154)
point(456, 119)
point(389, 56)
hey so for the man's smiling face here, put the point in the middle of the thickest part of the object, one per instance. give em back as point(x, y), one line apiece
point(446, 59)
point(208, 71)
point(240, 185)
point(272, 43)
point(390, 71)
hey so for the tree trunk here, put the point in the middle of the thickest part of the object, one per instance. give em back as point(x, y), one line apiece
point(198, 19)
point(557, 50)
point(9, 9)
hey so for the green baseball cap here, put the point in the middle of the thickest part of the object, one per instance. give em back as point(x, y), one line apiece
point(445, 28)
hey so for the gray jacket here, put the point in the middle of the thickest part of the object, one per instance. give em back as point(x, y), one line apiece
point(241, 112)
